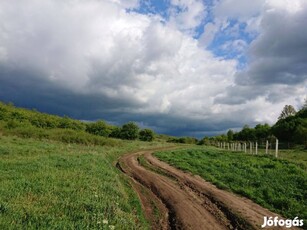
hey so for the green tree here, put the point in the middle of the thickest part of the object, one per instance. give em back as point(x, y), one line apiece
point(204, 141)
point(287, 111)
point(285, 129)
point(221, 137)
point(305, 104)
point(146, 135)
point(115, 132)
point(262, 132)
point(230, 135)
point(129, 131)
point(300, 133)
point(247, 134)
point(292, 129)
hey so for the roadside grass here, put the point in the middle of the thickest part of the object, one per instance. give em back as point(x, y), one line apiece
point(48, 184)
point(297, 156)
point(277, 184)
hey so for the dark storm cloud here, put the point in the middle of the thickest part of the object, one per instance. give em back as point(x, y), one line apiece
point(29, 89)
point(278, 61)
point(279, 54)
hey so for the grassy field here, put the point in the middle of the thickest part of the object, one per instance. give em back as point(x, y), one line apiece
point(278, 184)
point(49, 184)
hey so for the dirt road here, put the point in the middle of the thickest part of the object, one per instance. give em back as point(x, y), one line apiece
point(173, 199)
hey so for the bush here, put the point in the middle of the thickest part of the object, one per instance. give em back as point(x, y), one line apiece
point(68, 123)
point(146, 135)
point(115, 132)
point(99, 128)
point(129, 131)
point(184, 140)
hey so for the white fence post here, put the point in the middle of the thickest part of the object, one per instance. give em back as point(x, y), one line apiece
point(276, 149)
point(250, 148)
point(256, 149)
point(267, 147)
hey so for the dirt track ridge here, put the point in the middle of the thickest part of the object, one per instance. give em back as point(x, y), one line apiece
point(185, 201)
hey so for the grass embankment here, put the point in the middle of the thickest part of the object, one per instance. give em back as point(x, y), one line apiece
point(277, 184)
point(48, 184)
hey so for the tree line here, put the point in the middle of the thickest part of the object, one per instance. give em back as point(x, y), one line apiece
point(290, 128)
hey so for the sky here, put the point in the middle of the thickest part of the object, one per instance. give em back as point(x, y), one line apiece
point(180, 67)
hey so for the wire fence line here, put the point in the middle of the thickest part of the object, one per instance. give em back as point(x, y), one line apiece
point(251, 147)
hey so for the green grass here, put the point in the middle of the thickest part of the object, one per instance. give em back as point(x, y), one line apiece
point(277, 184)
point(297, 156)
point(53, 185)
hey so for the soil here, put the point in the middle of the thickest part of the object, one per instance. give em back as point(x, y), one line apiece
point(178, 200)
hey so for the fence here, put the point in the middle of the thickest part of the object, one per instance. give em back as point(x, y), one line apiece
point(250, 147)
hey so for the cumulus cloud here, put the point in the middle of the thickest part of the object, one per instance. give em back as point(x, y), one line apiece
point(278, 55)
point(100, 59)
point(98, 48)
point(277, 68)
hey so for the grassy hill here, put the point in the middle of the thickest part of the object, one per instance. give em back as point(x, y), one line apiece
point(55, 173)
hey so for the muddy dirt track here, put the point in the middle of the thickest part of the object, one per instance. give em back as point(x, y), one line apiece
point(172, 199)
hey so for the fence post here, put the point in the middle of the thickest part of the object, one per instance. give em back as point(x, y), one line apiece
point(228, 146)
point(256, 149)
point(245, 147)
point(250, 148)
point(276, 149)
point(267, 147)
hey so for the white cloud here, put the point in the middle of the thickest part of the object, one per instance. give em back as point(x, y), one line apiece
point(186, 15)
point(128, 4)
point(276, 72)
point(240, 9)
point(291, 6)
point(98, 48)
point(210, 29)
point(237, 45)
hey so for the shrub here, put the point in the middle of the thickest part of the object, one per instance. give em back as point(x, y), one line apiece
point(115, 132)
point(129, 131)
point(99, 128)
point(146, 135)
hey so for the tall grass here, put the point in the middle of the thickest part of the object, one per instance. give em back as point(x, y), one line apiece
point(51, 185)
